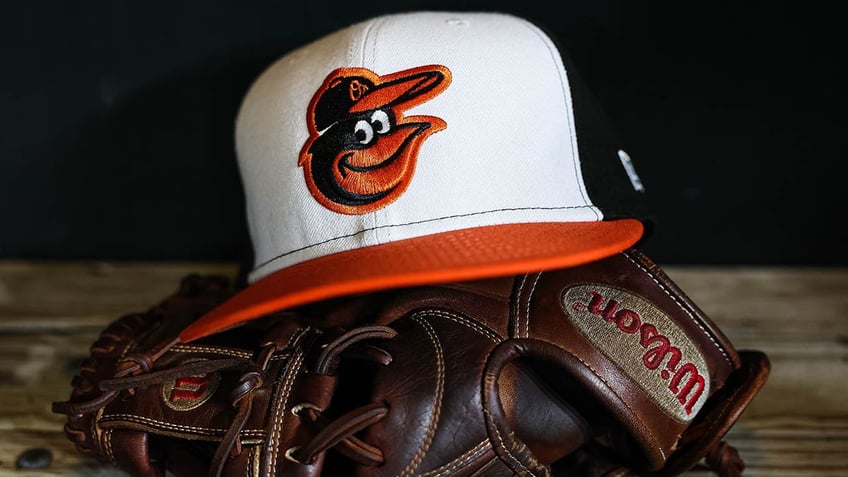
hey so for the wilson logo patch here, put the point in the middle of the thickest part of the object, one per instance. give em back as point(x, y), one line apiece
point(645, 343)
point(361, 152)
point(189, 392)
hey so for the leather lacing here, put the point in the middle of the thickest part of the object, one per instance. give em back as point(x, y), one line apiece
point(725, 460)
point(136, 371)
point(251, 379)
point(340, 432)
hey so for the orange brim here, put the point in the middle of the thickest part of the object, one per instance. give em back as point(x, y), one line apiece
point(467, 254)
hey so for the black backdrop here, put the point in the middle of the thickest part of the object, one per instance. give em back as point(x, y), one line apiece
point(117, 120)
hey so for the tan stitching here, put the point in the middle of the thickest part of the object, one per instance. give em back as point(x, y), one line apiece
point(187, 349)
point(516, 308)
point(460, 461)
point(125, 351)
point(107, 441)
point(623, 401)
point(502, 444)
point(208, 431)
point(286, 389)
point(529, 298)
point(255, 459)
point(279, 409)
point(438, 395)
point(296, 336)
point(494, 337)
point(211, 349)
point(164, 425)
point(680, 305)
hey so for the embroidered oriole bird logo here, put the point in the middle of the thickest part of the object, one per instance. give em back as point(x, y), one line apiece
point(361, 152)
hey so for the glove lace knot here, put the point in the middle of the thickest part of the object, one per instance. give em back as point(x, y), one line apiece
point(725, 460)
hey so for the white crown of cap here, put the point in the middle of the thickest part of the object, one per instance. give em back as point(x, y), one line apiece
point(508, 153)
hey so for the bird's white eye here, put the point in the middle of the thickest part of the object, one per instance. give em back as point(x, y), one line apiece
point(363, 131)
point(380, 121)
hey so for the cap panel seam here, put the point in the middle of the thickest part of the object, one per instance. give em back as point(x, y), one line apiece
point(373, 32)
point(565, 85)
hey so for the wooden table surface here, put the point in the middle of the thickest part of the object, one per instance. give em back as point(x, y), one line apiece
point(797, 426)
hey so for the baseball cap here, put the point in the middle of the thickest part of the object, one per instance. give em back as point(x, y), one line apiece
point(418, 148)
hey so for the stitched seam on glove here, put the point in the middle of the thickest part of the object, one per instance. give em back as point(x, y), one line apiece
point(460, 461)
point(107, 441)
point(280, 407)
point(516, 305)
point(502, 444)
point(530, 300)
point(207, 431)
point(420, 318)
point(188, 348)
point(623, 401)
point(488, 333)
point(680, 305)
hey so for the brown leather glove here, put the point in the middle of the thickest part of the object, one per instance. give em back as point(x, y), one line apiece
point(604, 369)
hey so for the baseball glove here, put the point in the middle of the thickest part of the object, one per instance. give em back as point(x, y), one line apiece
point(603, 369)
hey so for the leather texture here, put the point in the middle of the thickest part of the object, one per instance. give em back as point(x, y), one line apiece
point(603, 369)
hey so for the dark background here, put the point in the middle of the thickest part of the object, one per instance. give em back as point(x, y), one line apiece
point(117, 120)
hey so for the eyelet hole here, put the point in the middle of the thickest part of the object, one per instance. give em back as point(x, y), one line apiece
point(290, 455)
point(297, 409)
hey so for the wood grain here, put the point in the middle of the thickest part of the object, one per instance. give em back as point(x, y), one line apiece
point(797, 426)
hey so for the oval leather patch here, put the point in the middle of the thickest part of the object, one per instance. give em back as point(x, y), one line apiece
point(189, 392)
point(648, 346)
